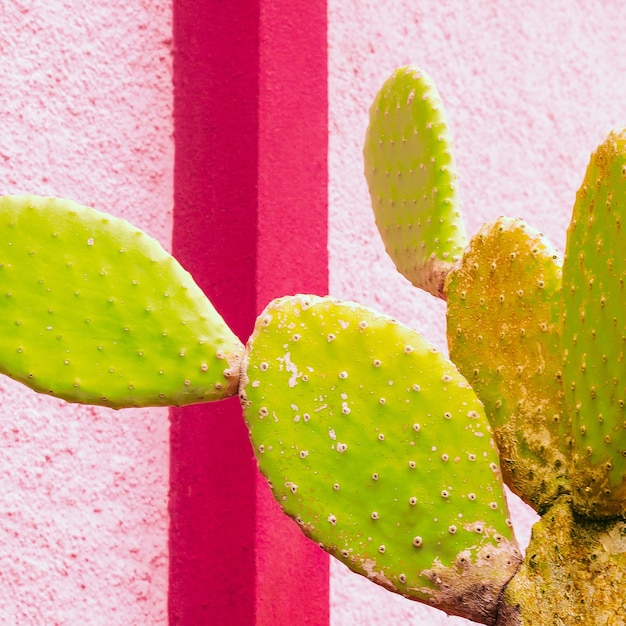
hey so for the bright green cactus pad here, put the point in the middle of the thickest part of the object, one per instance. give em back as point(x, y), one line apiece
point(93, 310)
point(503, 334)
point(379, 449)
point(594, 332)
point(412, 179)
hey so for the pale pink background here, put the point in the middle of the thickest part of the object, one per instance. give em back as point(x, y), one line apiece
point(85, 112)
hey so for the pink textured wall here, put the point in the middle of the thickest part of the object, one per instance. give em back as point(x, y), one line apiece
point(530, 89)
point(85, 107)
point(85, 113)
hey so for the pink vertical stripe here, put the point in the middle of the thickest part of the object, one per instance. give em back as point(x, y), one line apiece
point(250, 223)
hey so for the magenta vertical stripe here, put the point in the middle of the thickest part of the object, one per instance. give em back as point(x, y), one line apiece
point(291, 257)
point(250, 212)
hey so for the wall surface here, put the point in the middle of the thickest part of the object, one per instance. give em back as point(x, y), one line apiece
point(530, 89)
point(85, 112)
point(85, 106)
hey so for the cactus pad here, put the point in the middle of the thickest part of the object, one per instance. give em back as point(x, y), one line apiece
point(412, 179)
point(594, 332)
point(503, 323)
point(93, 310)
point(380, 450)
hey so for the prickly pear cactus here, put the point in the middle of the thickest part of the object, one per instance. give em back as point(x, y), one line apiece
point(594, 333)
point(411, 175)
point(93, 310)
point(503, 333)
point(381, 451)
point(543, 348)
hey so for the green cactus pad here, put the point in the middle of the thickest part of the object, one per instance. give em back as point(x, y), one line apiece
point(380, 450)
point(594, 332)
point(93, 310)
point(503, 323)
point(412, 179)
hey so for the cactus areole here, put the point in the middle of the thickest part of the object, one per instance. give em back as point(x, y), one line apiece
point(388, 455)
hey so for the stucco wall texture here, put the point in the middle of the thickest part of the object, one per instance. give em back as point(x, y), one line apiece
point(85, 112)
point(85, 108)
point(530, 89)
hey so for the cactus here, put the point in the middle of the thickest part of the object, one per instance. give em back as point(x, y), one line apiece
point(342, 401)
point(503, 300)
point(411, 175)
point(594, 338)
point(382, 451)
point(95, 311)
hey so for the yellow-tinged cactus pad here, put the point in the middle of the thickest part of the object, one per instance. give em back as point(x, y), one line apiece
point(93, 310)
point(380, 450)
point(503, 334)
point(411, 175)
point(594, 332)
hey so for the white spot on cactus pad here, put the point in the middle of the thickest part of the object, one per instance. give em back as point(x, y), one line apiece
point(290, 367)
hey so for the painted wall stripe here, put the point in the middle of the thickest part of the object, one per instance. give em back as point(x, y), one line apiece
point(250, 223)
